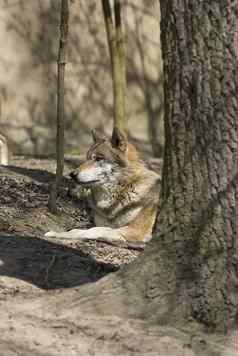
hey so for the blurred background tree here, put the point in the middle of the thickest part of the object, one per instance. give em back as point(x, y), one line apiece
point(116, 43)
point(28, 80)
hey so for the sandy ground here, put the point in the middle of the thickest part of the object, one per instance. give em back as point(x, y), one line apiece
point(35, 272)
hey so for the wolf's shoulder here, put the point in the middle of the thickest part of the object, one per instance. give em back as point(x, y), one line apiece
point(150, 176)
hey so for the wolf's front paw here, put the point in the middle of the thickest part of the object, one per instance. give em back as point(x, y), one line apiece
point(50, 234)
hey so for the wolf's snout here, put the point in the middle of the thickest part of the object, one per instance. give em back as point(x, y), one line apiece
point(73, 175)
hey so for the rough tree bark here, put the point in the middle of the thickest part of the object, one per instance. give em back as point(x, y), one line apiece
point(116, 44)
point(60, 105)
point(200, 186)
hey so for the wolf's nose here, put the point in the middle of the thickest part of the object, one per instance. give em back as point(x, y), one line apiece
point(73, 175)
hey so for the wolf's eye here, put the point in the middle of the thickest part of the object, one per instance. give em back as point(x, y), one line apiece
point(97, 157)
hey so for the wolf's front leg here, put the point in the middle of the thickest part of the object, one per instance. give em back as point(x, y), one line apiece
point(74, 234)
point(106, 234)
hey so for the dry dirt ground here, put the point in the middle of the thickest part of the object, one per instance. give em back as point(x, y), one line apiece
point(36, 272)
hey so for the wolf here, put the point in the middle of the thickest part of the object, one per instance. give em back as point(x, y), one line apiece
point(124, 193)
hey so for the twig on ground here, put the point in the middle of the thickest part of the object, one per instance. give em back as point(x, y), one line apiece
point(139, 246)
point(50, 265)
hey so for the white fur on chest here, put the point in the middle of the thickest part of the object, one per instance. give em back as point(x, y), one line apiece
point(112, 198)
point(118, 204)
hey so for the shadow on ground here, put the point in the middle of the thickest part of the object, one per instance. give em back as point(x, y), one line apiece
point(38, 175)
point(47, 265)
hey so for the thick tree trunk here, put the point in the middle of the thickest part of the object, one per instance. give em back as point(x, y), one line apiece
point(200, 186)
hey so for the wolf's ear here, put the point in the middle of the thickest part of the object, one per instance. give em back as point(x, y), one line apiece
point(96, 137)
point(119, 139)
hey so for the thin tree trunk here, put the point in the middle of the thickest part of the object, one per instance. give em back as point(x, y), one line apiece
point(120, 71)
point(116, 45)
point(60, 105)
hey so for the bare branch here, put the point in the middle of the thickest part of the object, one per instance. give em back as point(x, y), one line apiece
point(60, 104)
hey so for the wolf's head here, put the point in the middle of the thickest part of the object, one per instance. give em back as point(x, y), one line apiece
point(107, 160)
